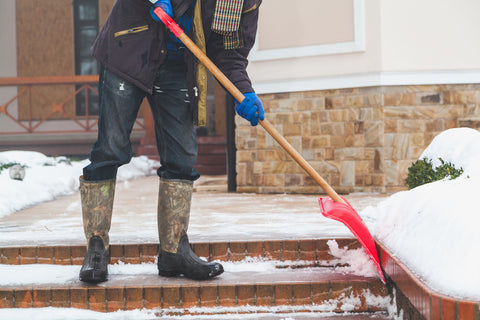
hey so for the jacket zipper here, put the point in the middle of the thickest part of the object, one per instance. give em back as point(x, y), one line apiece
point(251, 9)
point(130, 31)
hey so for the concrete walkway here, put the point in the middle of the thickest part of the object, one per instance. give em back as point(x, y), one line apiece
point(224, 226)
point(216, 215)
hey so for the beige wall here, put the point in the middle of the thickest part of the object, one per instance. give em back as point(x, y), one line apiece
point(313, 69)
point(395, 43)
point(308, 27)
point(430, 35)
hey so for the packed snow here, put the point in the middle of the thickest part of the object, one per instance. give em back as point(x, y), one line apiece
point(433, 228)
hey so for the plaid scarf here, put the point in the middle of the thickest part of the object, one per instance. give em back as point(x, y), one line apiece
point(226, 21)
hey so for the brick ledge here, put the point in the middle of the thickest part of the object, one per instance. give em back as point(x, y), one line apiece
point(429, 304)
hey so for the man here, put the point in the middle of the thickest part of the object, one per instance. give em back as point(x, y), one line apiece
point(139, 59)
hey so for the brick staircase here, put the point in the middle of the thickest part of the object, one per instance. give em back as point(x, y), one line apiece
point(212, 153)
point(306, 284)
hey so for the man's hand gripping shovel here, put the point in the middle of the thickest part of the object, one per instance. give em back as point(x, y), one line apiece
point(333, 206)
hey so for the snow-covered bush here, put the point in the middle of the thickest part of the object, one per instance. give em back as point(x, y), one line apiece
point(422, 172)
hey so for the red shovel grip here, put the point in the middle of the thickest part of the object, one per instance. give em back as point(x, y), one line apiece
point(168, 21)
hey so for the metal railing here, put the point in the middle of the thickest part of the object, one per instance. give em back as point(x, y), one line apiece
point(27, 124)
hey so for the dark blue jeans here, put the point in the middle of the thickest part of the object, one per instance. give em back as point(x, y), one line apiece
point(173, 118)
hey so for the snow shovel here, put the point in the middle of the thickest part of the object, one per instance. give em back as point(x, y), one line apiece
point(333, 206)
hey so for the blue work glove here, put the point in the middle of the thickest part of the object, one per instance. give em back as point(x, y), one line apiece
point(166, 5)
point(251, 108)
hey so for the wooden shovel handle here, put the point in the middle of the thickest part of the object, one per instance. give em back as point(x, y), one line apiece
point(230, 87)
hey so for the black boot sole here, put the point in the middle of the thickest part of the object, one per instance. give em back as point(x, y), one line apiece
point(186, 262)
point(93, 276)
point(95, 264)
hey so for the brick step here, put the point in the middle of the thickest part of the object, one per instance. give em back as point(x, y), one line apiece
point(297, 290)
point(212, 159)
point(261, 290)
point(212, 149)
point(212, 170)
point(312, 250)
point(212, 156)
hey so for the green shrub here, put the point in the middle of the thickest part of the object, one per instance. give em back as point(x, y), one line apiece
point(422, 172)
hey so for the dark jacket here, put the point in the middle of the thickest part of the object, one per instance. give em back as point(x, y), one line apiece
point(132, 45)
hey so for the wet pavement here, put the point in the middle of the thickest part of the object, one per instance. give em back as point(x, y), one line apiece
point(216, 215)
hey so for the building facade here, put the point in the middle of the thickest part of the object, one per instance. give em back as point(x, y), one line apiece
point(359, 87)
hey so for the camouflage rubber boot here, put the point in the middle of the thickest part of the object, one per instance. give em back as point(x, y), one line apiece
point(176, 257)
point(97, 205)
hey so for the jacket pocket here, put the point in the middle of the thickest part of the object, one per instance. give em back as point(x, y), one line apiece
point(130, 31)
point(251, 6)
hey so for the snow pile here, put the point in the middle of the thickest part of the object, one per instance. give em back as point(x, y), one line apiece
point(47, 178)
point(356, 261)
point(460, 146)
point(433, 228)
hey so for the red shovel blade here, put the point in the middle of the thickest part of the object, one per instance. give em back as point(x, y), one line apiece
point(345, 213)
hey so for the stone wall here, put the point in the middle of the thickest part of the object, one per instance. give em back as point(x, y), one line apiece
point(358, 140)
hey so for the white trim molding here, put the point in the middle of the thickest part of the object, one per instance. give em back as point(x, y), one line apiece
point(357, 45)
point(369, 80)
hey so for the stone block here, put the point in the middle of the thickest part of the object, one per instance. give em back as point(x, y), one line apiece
point(465, 97)
point(305, 104)
point(411, 126)
point(293, 129)
point(261, 167)
point(430, 98)
point(349, 128)
point(355, 101)
point(329, 153)
point(363, 167)
point(307, 154)
point(321, 141)
point(378, 180)
point(336, 115)
point(338, 141)
point(293, 179)
point(417, 139)
point(349, 140)
point(306, 142)
point(471, 110)
point(375, 99)
point(405, 112)
point(391, 173)
point(398, 146)
point(399, 99)
point(273, 180)
point(391, 126)
point(347, 173)
point(374, 131)
point(287, 105)
point(246, 156)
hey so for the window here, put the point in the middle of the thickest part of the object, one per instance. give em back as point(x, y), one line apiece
point(86, 22)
